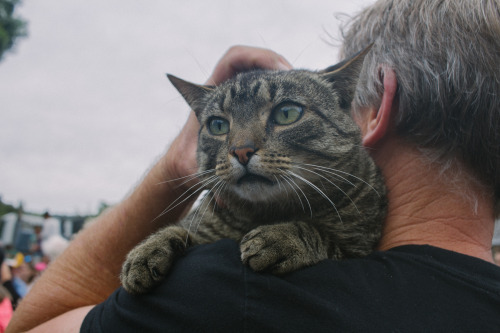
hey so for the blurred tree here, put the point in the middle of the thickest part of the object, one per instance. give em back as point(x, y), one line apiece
point(10, 27)
point(6, 208)
point(102, 207)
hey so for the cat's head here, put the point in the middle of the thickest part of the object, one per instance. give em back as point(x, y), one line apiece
point(267, 133)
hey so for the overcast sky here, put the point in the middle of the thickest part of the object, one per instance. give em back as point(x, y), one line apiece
point(85, 107)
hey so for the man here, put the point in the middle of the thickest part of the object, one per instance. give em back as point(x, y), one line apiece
point(428, 107)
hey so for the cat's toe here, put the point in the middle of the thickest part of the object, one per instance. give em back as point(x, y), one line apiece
point(259, 251)
point(135, 279)
point(142, 272)
point(251, 245)
point(149, 262)
point(277, 249)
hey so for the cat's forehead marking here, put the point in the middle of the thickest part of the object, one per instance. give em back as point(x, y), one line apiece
point(244, 91)
point(227, 98)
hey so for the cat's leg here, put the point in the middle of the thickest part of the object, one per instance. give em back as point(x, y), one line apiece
point(282, 248)
point(149, 262)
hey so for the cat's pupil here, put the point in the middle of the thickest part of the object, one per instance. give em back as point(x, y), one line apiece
point(218, 126)
point(287, 114)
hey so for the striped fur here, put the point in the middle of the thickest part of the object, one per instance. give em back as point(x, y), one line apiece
point(292, 194)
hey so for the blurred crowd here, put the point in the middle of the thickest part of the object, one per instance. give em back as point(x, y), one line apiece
point(495, 244)
point(19, 271)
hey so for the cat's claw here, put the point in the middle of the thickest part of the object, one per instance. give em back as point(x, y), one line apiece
point(275, 249)
point(149, 262)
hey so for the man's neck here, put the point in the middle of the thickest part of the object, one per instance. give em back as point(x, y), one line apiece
point(426, 208)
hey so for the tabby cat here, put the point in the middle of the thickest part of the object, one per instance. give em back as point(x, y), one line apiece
point(285, 170)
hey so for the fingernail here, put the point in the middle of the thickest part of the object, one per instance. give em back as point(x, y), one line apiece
point(283, 67)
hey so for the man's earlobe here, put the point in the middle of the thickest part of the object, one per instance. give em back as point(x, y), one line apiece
point(378, 121)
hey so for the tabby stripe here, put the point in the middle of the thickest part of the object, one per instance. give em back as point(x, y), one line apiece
point(300, 233)
point(233, 92)
point(233, 222)
point(212, 232)
point(301, 146)
point(204, 236)
point(255, 89)
point(272, 90)
point(222, 101)
point(330, 121)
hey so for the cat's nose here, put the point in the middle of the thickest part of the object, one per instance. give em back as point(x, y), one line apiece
point(243, 154)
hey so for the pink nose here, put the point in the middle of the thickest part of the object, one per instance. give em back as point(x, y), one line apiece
point(243, 154)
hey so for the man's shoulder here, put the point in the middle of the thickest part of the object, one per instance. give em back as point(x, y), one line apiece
point(408, 288)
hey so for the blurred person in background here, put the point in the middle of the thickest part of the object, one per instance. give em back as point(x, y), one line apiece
point(6, 280)
point(6, 309)
point(495, 244)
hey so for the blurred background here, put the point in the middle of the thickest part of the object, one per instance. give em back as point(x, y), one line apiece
point(85, 107)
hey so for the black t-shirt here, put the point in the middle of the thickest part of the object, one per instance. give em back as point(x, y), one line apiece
point(412, 288)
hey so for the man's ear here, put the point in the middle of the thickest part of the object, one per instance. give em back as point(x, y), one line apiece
point(377, 121)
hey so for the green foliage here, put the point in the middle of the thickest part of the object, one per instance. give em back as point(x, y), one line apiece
point(6, 208)
point(11, 27)
point(102, 207)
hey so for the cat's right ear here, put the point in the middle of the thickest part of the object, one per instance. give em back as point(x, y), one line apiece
point(193, 93)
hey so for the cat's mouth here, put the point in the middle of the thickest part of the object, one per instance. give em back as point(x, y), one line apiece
point(253, 178)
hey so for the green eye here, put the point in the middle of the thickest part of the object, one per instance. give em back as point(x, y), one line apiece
point(218, 126)
point(287, 114)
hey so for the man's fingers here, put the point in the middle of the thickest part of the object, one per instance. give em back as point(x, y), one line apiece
point(243, 58)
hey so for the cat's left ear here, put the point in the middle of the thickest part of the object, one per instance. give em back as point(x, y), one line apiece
point(193, 93)
point(344, 76)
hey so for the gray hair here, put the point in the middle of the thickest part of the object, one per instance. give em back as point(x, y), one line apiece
point(446, 55)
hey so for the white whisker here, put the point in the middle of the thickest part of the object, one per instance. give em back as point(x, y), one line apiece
point(321, 168)
point(343, 179)
point(343, 172)
point(190, 177)
point(333, 185)
point(279, 186)
point(175, 203)
point(300, 200)
point(219, 190)
point(318, 190)
point(305, 197)
point(197, 210)
point(213, 190)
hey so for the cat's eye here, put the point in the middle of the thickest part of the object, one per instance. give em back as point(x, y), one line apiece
point(287, 114)
point(218, 126)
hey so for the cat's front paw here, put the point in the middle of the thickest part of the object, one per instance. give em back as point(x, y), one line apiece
point(149, 262)
point(281, 248)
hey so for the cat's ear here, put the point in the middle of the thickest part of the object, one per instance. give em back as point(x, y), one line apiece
point(344, 76)
point(193, 93)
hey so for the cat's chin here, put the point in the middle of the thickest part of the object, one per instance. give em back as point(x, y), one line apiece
point(255, 188)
